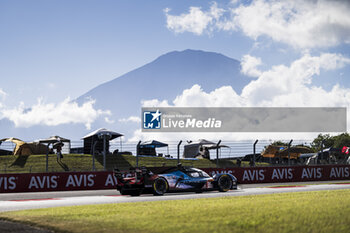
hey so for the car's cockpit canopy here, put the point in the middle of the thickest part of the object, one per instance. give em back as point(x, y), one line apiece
point(195, 173)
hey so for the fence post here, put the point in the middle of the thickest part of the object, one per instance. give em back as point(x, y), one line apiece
point(217, 153)
point(322, 151)
point(137, 153)
point(289, 151)
point(104, 151)
point(93, 155)
point(254, 146)
point(47, 157)
point(178, 151)
point(121, 144)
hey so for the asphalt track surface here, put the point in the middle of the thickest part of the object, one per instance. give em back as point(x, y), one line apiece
point(23, 201)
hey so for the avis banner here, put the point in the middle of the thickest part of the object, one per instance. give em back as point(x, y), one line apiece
point(68, 181)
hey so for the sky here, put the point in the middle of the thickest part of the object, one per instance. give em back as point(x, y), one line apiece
point(55, 49)
point(51, 52)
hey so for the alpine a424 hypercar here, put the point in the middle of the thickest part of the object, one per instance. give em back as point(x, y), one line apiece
point(174, 179)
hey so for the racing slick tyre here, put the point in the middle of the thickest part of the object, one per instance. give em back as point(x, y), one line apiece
point(160, 186)
point(224, 183)
point(124, 192)
point(136, 192)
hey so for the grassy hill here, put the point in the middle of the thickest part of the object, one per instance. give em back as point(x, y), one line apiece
point(84, 162)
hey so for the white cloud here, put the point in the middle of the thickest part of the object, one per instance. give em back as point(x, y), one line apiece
point(289, 86)
point(174, 138)
point(154, 103)
point(109, 121)
point(195, 97)
point(134, 119)
point(301, 24)
point(281, 86)
point(195, 21)
point(54, 114)
point(249, 66)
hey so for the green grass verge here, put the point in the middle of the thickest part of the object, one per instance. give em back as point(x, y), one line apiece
point(37, 163)
point(305, 184)
point(78, 162)
point(321, 211)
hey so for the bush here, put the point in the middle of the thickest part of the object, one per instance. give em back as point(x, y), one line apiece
point(338, 141)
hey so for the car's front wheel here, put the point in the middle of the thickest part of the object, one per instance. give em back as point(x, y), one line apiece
point(160, 186)
point(224, 183)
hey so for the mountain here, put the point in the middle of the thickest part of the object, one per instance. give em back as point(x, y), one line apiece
point(165, 78)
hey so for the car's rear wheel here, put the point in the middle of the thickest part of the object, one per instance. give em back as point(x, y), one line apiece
point(136, 192)
point(160, 186)
point(224, 183)
point(124, 192)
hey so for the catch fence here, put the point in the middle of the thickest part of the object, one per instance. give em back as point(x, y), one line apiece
point(233, 154)
point(235, 148)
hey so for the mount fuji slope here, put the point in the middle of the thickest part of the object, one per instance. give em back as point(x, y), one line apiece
point(165, 78)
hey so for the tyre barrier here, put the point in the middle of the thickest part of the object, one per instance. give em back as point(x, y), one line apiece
point(69, 181)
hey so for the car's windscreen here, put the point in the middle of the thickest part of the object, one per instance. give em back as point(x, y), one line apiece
point(196, 174)
point(205, 174)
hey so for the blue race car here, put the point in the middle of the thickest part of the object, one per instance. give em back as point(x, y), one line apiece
point(174, 179)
